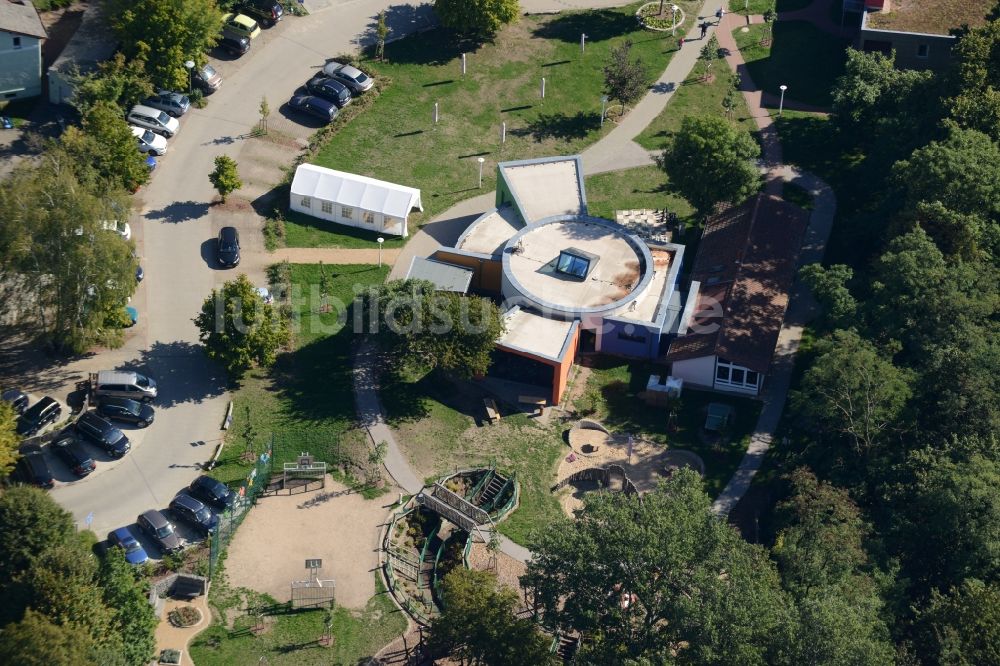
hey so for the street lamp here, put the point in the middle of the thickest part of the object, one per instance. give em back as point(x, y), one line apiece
point(190, 68)
point(481, 160)
point(781, 103)
point(673, 10)
point(380, 241)
point(604, 104)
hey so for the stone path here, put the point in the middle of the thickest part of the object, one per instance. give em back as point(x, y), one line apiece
point(169, 637)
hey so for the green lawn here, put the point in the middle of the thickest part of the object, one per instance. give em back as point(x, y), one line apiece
point(641, 187)
point(306, 400)
point(438, 425)
point(307, 231)
point(292, 637)
point(611, 396)
point(695, 98)
point(397, 140)
point(801, 56)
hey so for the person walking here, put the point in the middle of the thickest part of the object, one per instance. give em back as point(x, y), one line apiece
point(680, 43)
point(704, 29)
point(719, 15)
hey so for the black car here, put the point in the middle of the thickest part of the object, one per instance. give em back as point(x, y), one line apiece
point(195, 513)
point(314, 106)
point(268, 12)
point(213, 492)
point(329, 89)
point(74, 455)
point(123, 409)
point(229, 246)
point(103, 434)
point(234, 45)
point(39, 415)
point(18, 400)
point(33, 468)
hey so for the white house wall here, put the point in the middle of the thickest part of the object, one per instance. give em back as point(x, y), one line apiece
point(695, 371)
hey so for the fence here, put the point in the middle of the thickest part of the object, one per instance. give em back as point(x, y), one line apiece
point(251, 488)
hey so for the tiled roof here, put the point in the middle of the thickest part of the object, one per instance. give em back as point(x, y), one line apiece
point(21, 19)
point(746, 264)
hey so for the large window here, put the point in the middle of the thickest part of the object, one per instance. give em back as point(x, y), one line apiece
point(346, 212)
point(306, 202)
point(327, 207)
point(730, 375)
point(575, 263)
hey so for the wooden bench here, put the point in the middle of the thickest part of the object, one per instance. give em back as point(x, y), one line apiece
point(533, 400)
point(492, 413)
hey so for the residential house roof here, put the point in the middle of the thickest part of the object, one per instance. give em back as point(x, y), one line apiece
point(746, 264)
point(21, 18)
point(445, 277)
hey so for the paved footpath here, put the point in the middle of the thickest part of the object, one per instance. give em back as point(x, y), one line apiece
point(333, 255)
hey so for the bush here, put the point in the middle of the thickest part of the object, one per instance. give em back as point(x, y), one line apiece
point(274, 232)
point(198, 98)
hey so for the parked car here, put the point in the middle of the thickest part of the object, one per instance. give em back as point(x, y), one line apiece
point(350, 76)
point(268, 12)
point(314, 106)
point(149, 142)
point(240, 25)
point(161, 530)
point(139, 273)
point(121, 228)
point(212, 492)
point(17, 399)
point(228, 250)
point(123, 538)
point(234, 45)
point(102, 433)
point(194, 513)
point(123, 384)
point(133, 316)
point(74, 455)
point(123, 409)
point(174, 103)
point(206, 78)
point(153, 119)
point(33, 468)
point(329, 89)
point(39, 415)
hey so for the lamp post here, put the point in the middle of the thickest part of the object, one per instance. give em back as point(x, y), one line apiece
point(673, 27)
point(781, 102)
point(604, 105)
point(380, 241)
point(481, 160)
point(190, 68)
point(583, 42)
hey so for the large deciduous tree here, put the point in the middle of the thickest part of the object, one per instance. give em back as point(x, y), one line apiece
point(976, 103)
point(962, 626)
point(39, 641)
point(166, 34)
point(422, 328)
point(710, 161)
point(478, 18)
point(477, 623)
point(29, 523)
point(120, 80)
point(661, 576)
point(238, 329)
point(132, 616)
point(624, 78)
point(106, 145)
point(9, 439)
point(829, 286)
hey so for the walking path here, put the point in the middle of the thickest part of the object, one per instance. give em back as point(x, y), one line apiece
point(333, 255)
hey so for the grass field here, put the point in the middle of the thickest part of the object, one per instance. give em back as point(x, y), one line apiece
point(801, 56)
point(397, 140)
point(293, 637)
point(306, 400)
point(642, 187)
point(611, 396)
point(306, 231)
point(694, 98)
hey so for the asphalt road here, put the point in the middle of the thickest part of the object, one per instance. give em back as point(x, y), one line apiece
point(174, 230)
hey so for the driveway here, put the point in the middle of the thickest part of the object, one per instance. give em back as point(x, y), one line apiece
point(174, 227)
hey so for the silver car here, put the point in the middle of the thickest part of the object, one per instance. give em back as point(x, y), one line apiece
point(174, 103)
point(352, 77)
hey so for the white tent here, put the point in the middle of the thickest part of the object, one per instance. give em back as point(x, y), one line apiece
point(353, 200)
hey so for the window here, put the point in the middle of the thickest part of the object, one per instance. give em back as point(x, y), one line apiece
point(923, 50)
point(369, 217)
point(327, 207)
point(17, 42)
point(306, 202)
point(631, 337)
point(575, 263)
point(730, 375)
point(346, 212)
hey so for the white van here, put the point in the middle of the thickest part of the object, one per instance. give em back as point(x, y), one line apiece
point(154, 119)
point(149, 142)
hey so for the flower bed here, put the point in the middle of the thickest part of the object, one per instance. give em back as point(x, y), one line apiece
point(650, 17)
point(184, 616)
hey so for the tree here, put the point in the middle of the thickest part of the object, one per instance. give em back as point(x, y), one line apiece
point(324, 289)
point(132, 617)
point(38, 641)
point(420, 328)
point(477, 623)
point(9, 439)
point(624, 79)
point(843, 628)
point(976, 104)
point(119, 80)
point(660, 576)
point(829, 286)
point(477, 18)
point(238, 329)
point(710, 162)
point(375, 459)
point(381, 33)
point(166, 34)
point(265, 111)
point(708, 55)
point(770, 16)
point(962, 626)
point(30, 522)
point(225, 179)
point(853, 391)
point(106, 144)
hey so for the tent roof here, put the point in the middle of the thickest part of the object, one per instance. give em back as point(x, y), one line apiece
point(349, 189)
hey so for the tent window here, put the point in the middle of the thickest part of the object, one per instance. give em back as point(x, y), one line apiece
point(369, 217)
point(327, 207)
point(346, 212)
point(306, 202)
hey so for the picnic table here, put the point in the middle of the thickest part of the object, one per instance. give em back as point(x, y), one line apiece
point(492, 413)
point(538, 402)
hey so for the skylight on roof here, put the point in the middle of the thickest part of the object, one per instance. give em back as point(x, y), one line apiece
point(575, 263)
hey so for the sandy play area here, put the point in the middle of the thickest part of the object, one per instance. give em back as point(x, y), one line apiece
point(334, 524)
